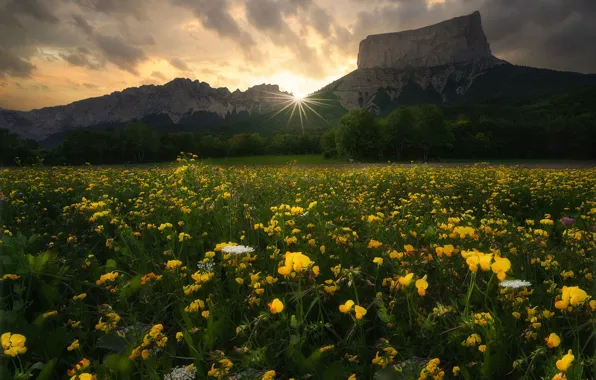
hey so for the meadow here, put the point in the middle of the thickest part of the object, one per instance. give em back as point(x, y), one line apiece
point(386, 272)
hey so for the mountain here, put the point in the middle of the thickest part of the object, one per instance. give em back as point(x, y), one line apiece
point(449, 63)
point(446, 63)
point(173, 103)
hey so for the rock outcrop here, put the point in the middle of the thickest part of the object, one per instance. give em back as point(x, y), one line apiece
point(458, 40)
point(440, 61)
point(177, 99)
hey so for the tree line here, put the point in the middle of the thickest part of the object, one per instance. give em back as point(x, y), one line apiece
point(138, 142)
point(561, 127)
point(424, 132)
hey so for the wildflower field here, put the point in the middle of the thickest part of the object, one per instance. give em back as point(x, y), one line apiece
point(192, 271)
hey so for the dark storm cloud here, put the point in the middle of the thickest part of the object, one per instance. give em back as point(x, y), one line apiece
point(111, 7)
point(267, 16)
point(34, 8)
point(120, 53)
point(179, 64)
point(14, 66)
point(81, 23)
point(215, 15)
point(113, 48)
point(82, 57)
point(555, 34)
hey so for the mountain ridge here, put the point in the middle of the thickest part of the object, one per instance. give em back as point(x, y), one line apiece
point(177, 99)
point(416, 66)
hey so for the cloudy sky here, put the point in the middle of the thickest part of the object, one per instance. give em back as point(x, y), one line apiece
point(54, 52)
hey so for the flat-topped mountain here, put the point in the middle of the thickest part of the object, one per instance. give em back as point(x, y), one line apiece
point(178, 99)
point(445, 63)
point(458, 40)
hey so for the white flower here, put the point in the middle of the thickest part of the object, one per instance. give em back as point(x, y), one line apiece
point(306, 213)
point(208, 266)
point(181, 373)
point(514, 284)
point(237, 249)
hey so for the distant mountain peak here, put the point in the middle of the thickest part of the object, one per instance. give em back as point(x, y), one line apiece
point(177, 99)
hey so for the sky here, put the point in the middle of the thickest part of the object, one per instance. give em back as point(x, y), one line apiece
point(54, 52)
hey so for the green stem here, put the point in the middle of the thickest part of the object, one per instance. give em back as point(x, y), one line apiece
point(300, 300)
point(409, 308)
point(487, 289)
point(470, 290)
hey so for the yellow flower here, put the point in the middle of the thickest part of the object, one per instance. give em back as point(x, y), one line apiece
point(276, 306)
point(571, 295)
point(294, 261)
point(269, 375)
point(9, 276)
point(179, 336)
point(500, 267)
point(422, 285)
point(345, 308)
point(173, 264)
point(485, 260)
point(13, 344)
point(326, 348)
point(205, 314)
point(50, 313)
point(374, 244)
point(352, 377)
point(378, 261)
point(482, 348)
point(111, 277)
point(322, 248)
point(145, 354)
point(79, 297)
point(455, 370)
point(82, 364)
point(407, 279)
point(239, 280)
point(564, 363)
point(73, 346)
point(84, 376)
point(360, 311)
point(553, 340)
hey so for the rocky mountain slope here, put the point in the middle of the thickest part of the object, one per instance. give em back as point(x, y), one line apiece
point(446, 63)
point(178, 99)
point(443, 64)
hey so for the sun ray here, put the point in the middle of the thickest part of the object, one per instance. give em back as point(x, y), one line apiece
point(298, 105)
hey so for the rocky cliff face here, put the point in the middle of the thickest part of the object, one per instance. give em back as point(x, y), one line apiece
point(440, 61)
point(453, 41)
point(177, 99)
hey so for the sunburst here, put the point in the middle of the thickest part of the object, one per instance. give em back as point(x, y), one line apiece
point(297, 104)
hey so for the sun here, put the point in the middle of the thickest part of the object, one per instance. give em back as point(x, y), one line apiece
point(298, 96)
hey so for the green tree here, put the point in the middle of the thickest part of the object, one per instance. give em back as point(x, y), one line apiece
point(245, 144)
point(401, 130)
point(139, 139)
point(328, 144)
point(358, 135)
point(433, 130)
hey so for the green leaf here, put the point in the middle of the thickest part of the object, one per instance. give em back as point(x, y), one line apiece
point(32, 238)
point(334, 371)
point(47, 371)
point(112, 342)
point(111, 264)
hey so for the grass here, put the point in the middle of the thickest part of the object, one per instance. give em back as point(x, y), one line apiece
point(308, 159)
